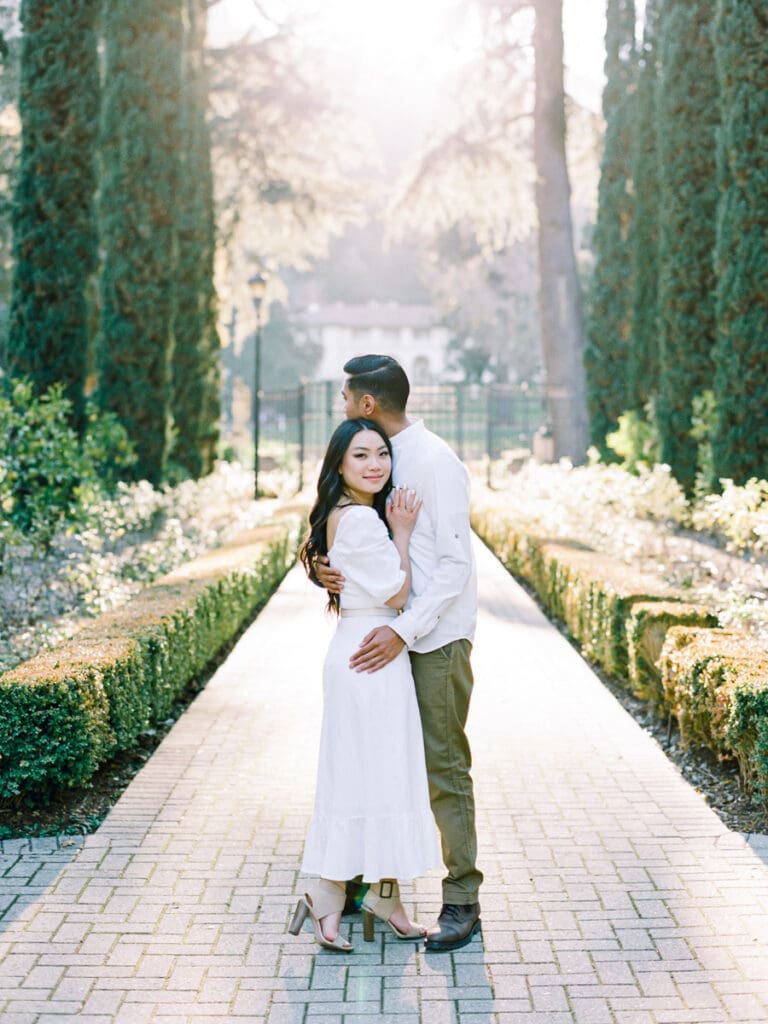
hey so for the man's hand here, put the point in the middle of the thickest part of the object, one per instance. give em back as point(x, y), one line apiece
point(329, 579)
point(376, 650)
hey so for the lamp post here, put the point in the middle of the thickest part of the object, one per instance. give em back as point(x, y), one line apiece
point(258, 285)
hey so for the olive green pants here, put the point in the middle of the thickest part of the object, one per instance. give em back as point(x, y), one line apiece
point(443, 681)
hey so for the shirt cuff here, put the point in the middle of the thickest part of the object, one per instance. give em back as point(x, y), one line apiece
point(405, 635)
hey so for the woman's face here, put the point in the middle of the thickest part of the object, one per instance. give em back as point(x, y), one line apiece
point(366, 466)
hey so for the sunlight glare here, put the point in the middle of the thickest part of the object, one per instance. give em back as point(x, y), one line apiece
point(390, 32)
point(379, 35)
point(412, 42)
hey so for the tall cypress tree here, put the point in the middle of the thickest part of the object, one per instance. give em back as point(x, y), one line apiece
point(610, 294)
point(740, 444)
point(643, 362)
point(196, 405)
point(54, 218)
point(687, 122)
point(142, 93)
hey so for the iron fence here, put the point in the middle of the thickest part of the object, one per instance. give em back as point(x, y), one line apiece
point(478, 421)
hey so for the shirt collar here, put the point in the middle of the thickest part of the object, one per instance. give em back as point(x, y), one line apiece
point(408, 435)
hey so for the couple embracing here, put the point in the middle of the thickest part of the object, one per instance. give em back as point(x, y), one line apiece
point(389, 539)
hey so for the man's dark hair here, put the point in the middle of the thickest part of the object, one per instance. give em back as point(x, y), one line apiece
point(382, 377)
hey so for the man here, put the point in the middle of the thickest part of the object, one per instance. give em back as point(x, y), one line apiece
point(437, 627)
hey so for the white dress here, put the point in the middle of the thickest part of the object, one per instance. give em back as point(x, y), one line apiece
point(372, 815)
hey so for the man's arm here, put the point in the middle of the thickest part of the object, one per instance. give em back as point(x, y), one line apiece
point(329, 579)
point(449, 511)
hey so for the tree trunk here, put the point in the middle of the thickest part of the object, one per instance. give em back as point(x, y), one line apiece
point(559, 300)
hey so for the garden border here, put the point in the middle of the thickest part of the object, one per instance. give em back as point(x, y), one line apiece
point(714, 682)
point(67, 710)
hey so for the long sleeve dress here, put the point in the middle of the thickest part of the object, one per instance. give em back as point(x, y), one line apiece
point(372, 815)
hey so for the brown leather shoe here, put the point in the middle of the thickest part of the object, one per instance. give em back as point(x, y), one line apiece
point(455, 927)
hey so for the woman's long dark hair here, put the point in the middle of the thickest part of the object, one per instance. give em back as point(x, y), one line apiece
point(330, 493)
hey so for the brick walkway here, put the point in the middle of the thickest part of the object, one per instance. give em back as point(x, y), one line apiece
point(613, 894)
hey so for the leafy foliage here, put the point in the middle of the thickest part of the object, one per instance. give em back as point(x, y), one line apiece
point(715, 685)
point(108, 546)
point(643, 357)
point(644, 517)
point(647, 629)
point(591, 592)
point(738, 514)
point(140, 145)
point(489, 304)
point(637, 440)
point(195, 402)
point(703, 422)
point(741, 255)
point(610, 294)
point(468, 200)
point(714, 681)
point(476, 172)
point(10, 146)
point(47, 474)
point(54, 219)
point(286, 158)
point(64, 713)
point(688, 115)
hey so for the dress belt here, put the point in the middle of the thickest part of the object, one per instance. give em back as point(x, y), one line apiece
point(387, 613)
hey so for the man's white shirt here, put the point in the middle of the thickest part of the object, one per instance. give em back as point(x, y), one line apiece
point(442, 605)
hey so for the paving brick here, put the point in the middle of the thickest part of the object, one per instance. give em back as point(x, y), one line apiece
point(612, 895)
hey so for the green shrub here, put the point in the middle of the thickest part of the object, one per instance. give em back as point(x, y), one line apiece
point(716, 685)
point(637, 440)
point(107, 450)
point(647, 629)
point(713, 681)
point(55, 251)
point(65, 711)
point(53, 726)
point(601, 593)
point(591, 593)
point(46, 472)
point(740, 264)
point(703, 426)
point(40, 467)
point(687, 118)
point(608, 323)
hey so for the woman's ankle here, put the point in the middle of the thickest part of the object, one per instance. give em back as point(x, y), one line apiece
point(330, 924)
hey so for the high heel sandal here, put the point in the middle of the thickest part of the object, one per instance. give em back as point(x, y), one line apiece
point(322, 898)
point(382, 901)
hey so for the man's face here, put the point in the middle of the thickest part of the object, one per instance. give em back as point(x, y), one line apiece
point(352, 402)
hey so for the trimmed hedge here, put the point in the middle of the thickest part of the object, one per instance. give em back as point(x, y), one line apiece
point(714, 681)
point(647, 629)
point(716, 684)
point(590, 592)
point(67, 710)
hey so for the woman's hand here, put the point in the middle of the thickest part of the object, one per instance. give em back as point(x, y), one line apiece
point(402, 509)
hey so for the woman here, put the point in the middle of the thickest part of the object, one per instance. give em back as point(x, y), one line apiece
point(372, 816)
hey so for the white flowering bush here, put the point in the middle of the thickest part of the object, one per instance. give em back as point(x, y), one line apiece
point(643, 519)
point(590, 503)
point(115, 546)
point(739, 515)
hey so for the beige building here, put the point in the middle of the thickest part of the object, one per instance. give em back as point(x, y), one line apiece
point(409, 333)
